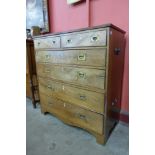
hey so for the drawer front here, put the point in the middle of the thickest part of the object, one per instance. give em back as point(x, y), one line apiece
point(94, 78)
point(83, 98)
point(91, 38)
point(48, 42)
point(91, 57)
point(73, 114)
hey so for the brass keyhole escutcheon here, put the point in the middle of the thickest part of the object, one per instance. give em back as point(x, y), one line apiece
point(47, 56)
point(69, 41)
point(83, 97)
point(94, 38)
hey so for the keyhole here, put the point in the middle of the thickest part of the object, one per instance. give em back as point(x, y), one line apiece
point(94, 38)
point(69, 40)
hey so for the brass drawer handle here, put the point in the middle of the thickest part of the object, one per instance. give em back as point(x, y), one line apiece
point(83, 97)
point(81, 74)
point(82, 57)
point(94, 38)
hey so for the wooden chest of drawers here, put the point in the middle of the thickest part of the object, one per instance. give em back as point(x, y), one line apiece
point(80, 77)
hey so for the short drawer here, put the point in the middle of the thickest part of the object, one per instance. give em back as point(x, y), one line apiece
point(72, 114)
point(89, 38)
point(48, 42)
point(94, 78)
point(91, 57)
point(83, 98)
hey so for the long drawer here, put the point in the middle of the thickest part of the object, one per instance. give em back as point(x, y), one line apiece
point(83, 98)
point(89, 38)
point(73, 114)
point(94, 78)
point(91, 57)
point(49, 42)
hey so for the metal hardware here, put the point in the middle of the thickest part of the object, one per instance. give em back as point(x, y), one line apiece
point(69, 41)
point(38, 43)
point(50, 87)
point(83, 97)
point(53, 41)
point(82, 57)
point(81, 74)
point(94, 38)
point(114, 102)
point(47, 56)
point(117, 51)
point(83, 117)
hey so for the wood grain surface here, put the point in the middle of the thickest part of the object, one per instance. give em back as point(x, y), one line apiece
point(76, 96)
point(82, 76)
point(49, 42)
point(90, 38)
point(82, 57)
point(74, 114)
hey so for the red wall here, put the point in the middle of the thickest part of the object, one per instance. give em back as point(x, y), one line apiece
point(65, 17)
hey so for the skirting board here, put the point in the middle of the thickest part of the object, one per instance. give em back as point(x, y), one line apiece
point(124, 117)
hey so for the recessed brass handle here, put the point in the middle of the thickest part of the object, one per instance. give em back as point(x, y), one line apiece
point(83, 97)
point(94, 38)
point(82, 57)
point(81, 74)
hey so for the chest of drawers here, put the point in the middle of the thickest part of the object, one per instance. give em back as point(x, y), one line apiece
point(80, 77)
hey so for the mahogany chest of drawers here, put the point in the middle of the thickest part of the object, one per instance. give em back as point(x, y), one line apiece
point(80, 77)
